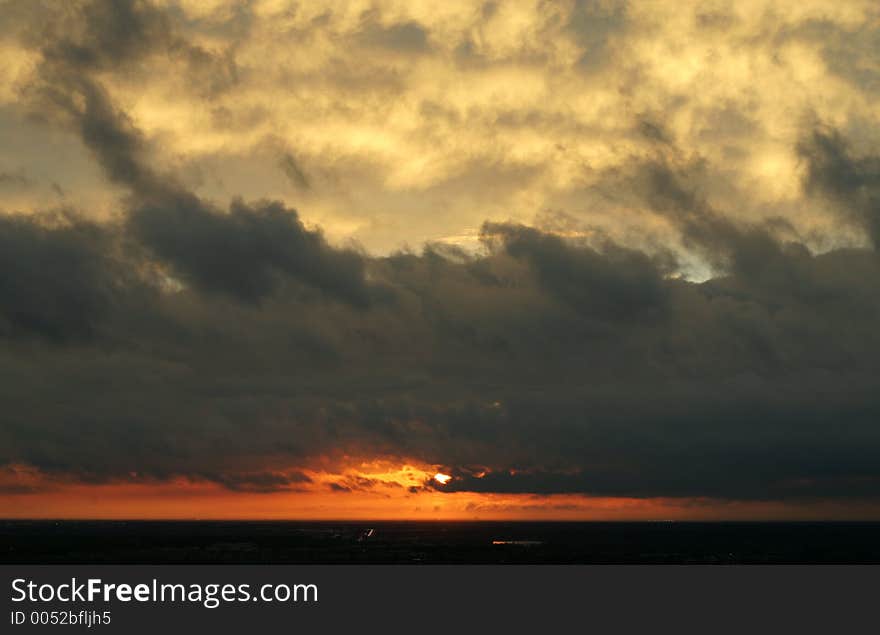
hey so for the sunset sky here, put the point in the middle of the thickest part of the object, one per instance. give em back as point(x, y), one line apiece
point(590, 259)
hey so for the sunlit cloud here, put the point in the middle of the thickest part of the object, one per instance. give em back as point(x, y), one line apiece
point(407, 259)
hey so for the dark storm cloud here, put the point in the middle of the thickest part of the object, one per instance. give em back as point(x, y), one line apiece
point(753, 436)
point(112, 137)
point(242, 252)
point(107, 33)
point(746, 386)
point(259, 482)
point(245, 252)
point(190, 339)
point(744, 250)
point(58, 277)
point(615, 284)
point(853, 182)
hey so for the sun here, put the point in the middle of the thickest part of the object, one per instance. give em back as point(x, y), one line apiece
point(441, 478)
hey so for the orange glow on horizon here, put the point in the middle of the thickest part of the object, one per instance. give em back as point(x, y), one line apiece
point(367, 490)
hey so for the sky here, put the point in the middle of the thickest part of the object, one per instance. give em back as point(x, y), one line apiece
point(591, 259)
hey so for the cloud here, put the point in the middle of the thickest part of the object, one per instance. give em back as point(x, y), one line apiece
point(405, 37)
point(241, 253)
point(850, 181)
point(294, 172)
point(14, 179)
point(247, 251)
point(259, 482)
point(614, 284)
point(571, 350)
point(59, 277)
point(104, 35)
point(756, 384)
point(594, 24)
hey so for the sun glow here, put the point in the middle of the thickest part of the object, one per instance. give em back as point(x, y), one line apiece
point(441, 478)
point(356, 490)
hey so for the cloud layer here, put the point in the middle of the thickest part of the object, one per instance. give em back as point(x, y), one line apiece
point(650, 285)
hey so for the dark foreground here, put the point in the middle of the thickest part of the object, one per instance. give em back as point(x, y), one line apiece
point(437, 542)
